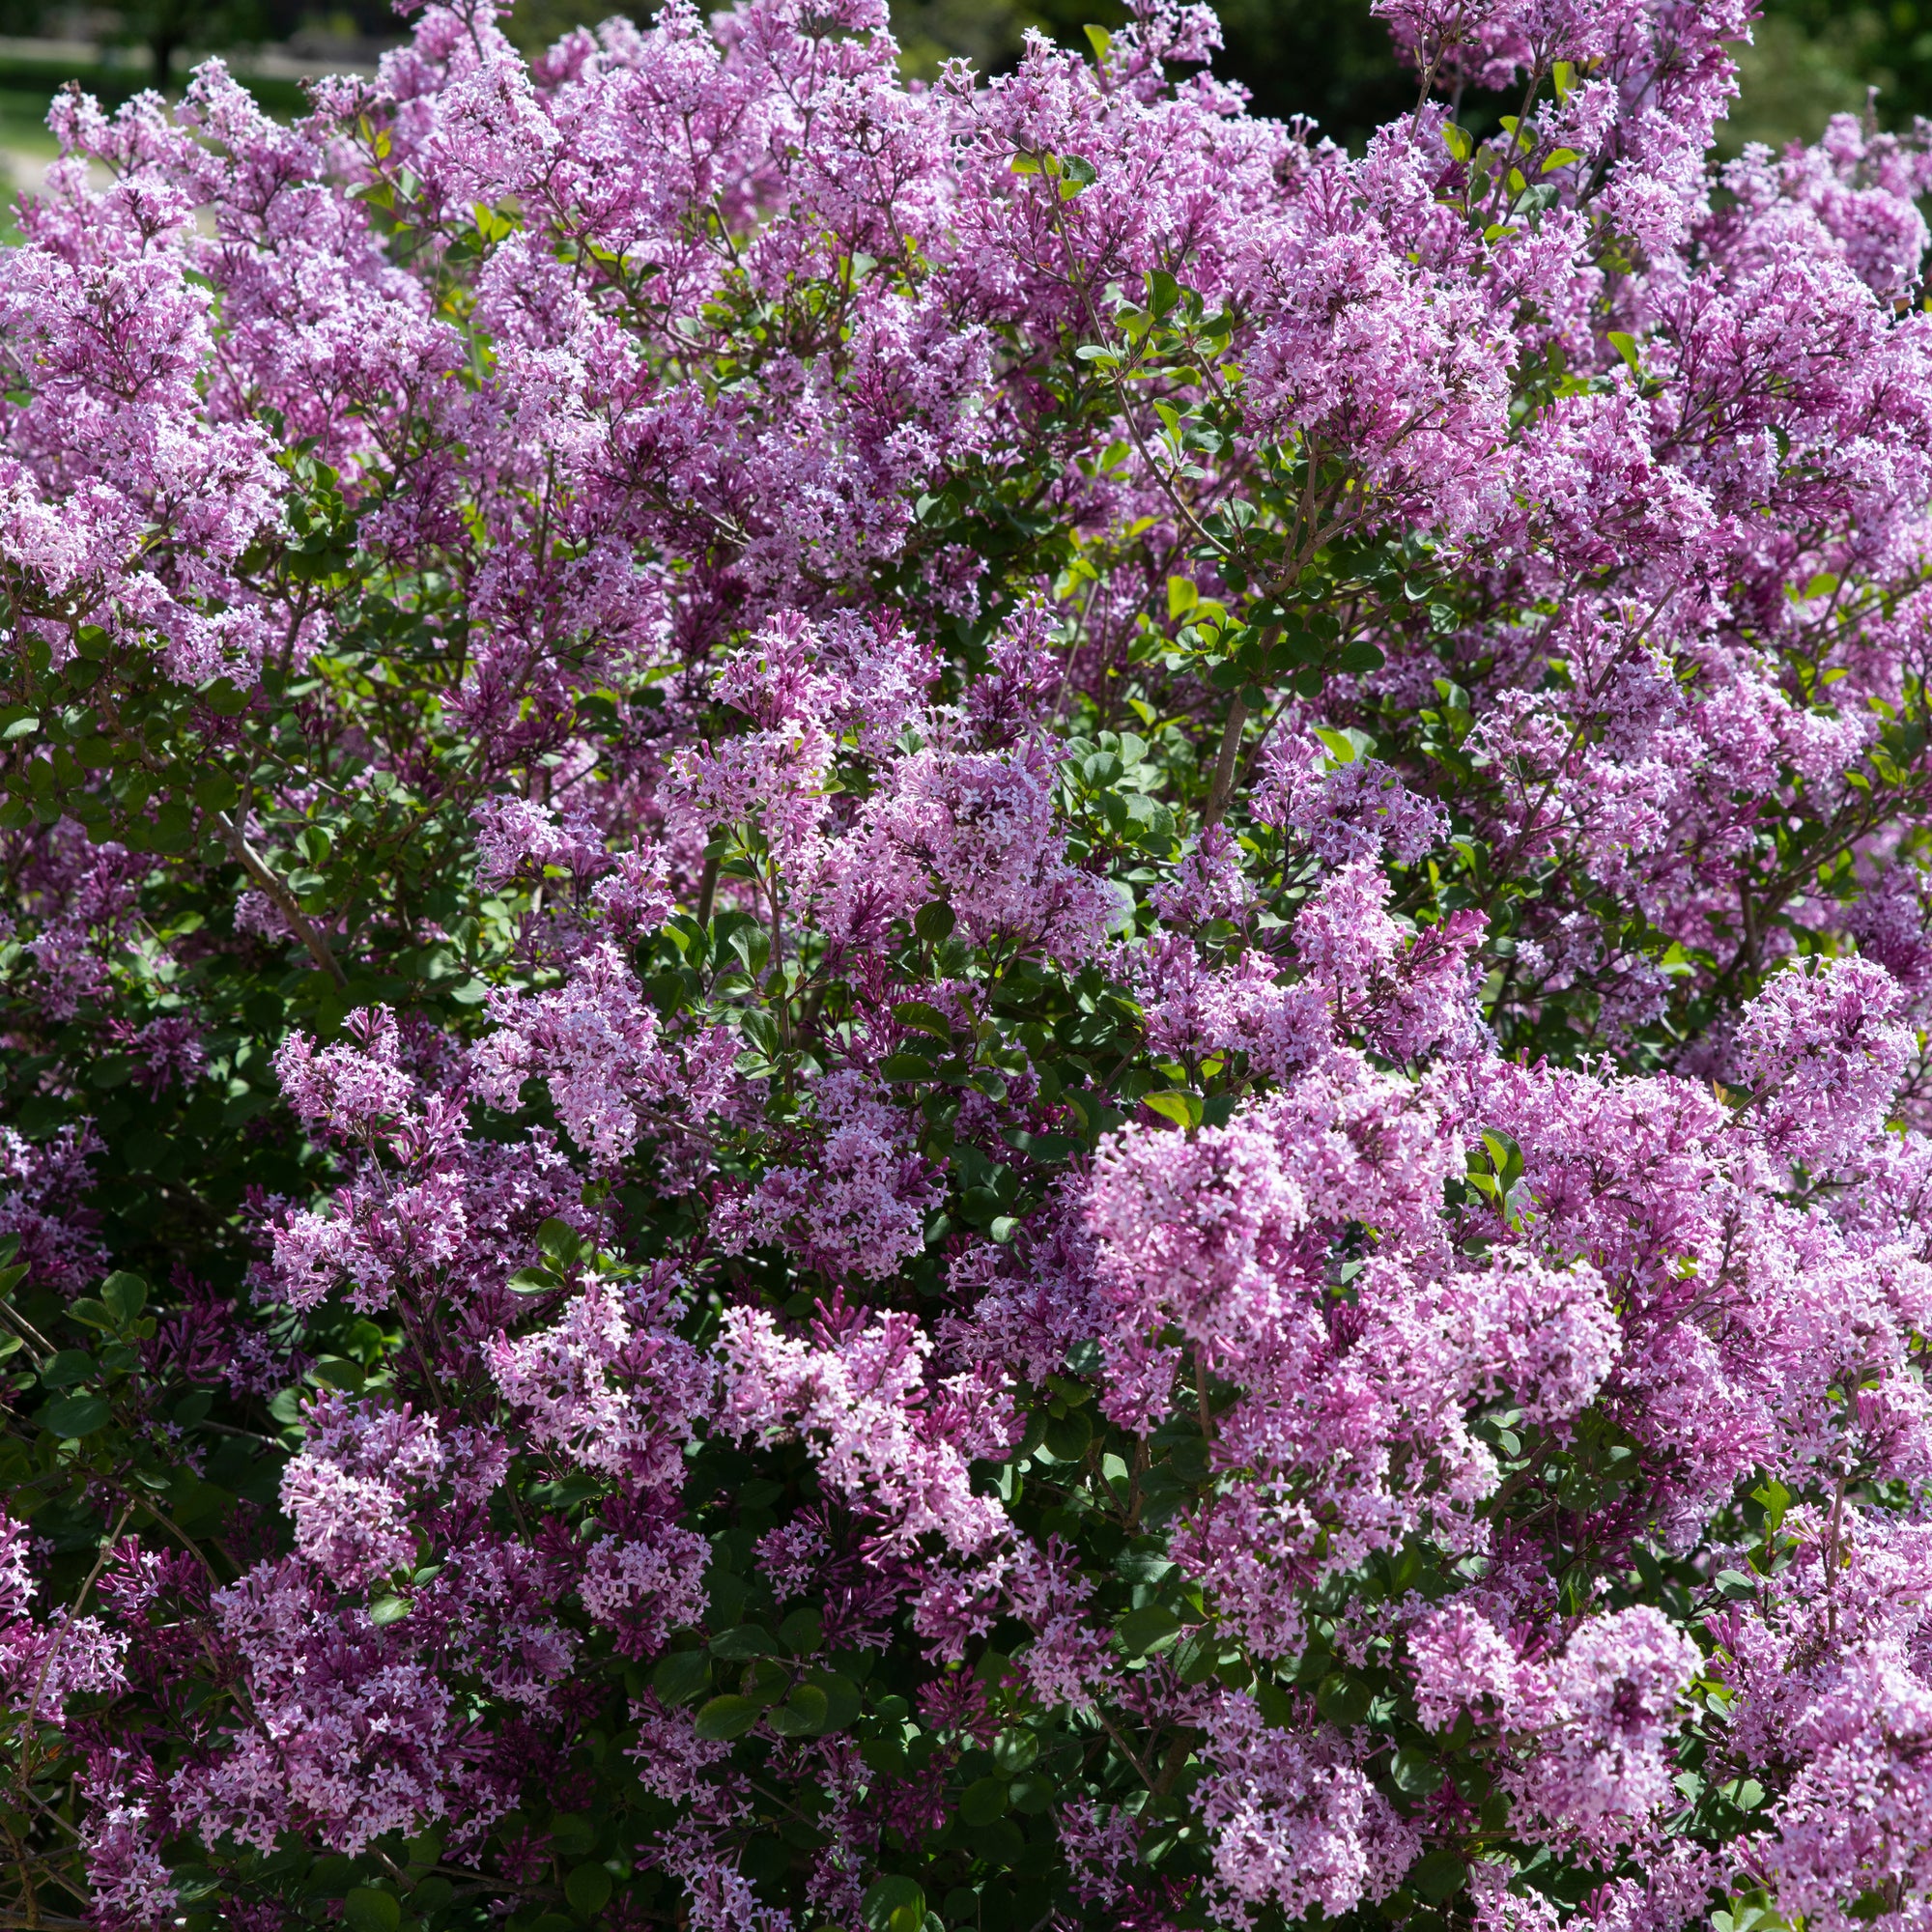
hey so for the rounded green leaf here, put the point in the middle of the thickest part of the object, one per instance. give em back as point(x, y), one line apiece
point(589, 1889)
point(1416, 1773)
point(1141, 1630)
point(841, 1697)
point(895, 1904)
point(1438, 1877)
point(934, 921)
point(66, 1368)
point(803, 1632)
point(367, 1910)
point(928, 1018)
point(1067, 1436)
point(1343, 1699)
point(803, 1714)
point(432, 1894)
point(984, 1800)
point(726, 1718)
point(745, 1641)
point(74, 1415)
point(1032, 1794)
point(681, 1675)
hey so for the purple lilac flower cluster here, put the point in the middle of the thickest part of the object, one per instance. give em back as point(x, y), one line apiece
point(970, 1006)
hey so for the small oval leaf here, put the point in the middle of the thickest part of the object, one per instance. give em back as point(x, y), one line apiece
point(802, 1715)
point(725, 1717)
point(74, 1415)
point(984, 1800)
point(589, 1889)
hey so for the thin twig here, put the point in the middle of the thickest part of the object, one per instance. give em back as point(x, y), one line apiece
point(1222, 789)
point(230, 835)
point(60, 1635)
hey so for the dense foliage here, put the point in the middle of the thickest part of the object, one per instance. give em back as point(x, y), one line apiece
point(982, 1005)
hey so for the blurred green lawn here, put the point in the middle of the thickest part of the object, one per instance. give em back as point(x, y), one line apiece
point(27, 87)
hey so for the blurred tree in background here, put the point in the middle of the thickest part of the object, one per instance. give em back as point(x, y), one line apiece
point(1816, 58)
point(1331, 60)
point(166, 28)
point(1328, 59)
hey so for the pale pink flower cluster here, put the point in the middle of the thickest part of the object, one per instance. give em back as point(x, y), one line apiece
point(596, 1044)
point(358, 1481)
point(1293, 1822)
point(862, 1400)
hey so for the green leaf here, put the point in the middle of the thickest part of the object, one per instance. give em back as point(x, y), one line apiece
point(802, 1715)
point(1774, 1498)
point(803, 1631)
point(1141, 1630)
point(984, 1800)
point(1069, 1436)
point(561, 1241)
point(907, 1067)
point(572, 1834)
point(1626, 346)
point(1458, 141)
point(746, 1640)
point(74, 1415)
point(386, 1610)
point(1181, 596)
point(1561, 157)
point(589, 1889)
point(1416, 1773)
point(174, 826)
point(725, 1717)
point(67, 1368)
point(1343, 1699)
point(681, 1675)
point(1078, 174)
point(1737, 1583)
point(925, 1018)
point(842, 1700)
point(1344, 746)
point(124, 1294)
point(933, 921)
point(1099, 40)
point(1183, 1109)
point(1437, 1876)
point(367, 1910)
point(224, 697)
point(1505, 1157)
point(1276, 1706)
point(1163, 290)
point(895, 1904)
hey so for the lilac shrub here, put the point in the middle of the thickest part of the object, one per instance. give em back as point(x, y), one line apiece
point(970, 1006)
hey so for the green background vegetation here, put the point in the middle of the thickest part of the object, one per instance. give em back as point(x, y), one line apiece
point(1325, 58)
